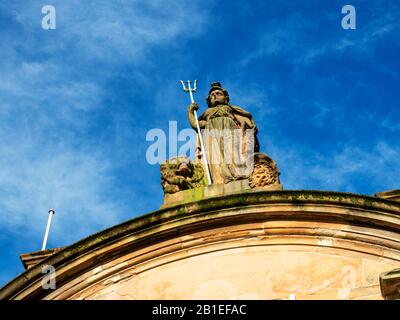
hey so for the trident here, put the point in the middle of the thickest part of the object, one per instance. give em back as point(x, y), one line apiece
point(203, 150)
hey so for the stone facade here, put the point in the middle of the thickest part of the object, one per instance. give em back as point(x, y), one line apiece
point(250, 245)
point(33, 258)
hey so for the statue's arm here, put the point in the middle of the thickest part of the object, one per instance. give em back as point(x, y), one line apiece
point(245, 118)
point(192, 119)
point(243, 112)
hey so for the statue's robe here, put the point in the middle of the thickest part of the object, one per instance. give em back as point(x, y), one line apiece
point(230, 140)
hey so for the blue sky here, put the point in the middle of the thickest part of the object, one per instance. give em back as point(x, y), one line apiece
point(76, 102)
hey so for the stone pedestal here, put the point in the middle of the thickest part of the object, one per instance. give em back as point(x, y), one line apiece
point(215, 190)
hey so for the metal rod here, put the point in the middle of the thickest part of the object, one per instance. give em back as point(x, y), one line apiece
point(203, 150)
point(190, 91)
point(51, 212)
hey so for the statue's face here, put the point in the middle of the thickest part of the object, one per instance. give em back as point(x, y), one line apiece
point(217, 97)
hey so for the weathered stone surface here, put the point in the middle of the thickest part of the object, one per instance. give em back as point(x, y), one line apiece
point(265, 172)
point(33, 258)
point(390, 284)
point(201, 193)
point(179, 174)
point(390, 195)
point(239, 273)
point(231, 150)
point(229, 134)
point(253, 245)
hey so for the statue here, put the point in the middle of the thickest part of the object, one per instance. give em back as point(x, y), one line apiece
point(230, 136)
point(180, 174)
point(265, 172)
point(227, 151)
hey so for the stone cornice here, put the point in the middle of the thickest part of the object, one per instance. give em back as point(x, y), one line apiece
point(234, 209)
point(389, 194)
point(390, 284)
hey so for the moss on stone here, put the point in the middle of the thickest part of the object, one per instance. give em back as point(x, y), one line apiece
point(208, 207)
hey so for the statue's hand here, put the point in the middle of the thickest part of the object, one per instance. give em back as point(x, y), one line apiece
point(193, 106)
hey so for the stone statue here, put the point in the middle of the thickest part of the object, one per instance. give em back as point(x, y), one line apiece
point(180, 174)
point(231, 149)
point(230, 136)
point(265, 172)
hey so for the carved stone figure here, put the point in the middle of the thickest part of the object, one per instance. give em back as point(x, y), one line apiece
point(180, 173)
point(231, 148)
point(265, 172)
point(230, 136)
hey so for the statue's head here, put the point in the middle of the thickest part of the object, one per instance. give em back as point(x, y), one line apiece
point(217, 95)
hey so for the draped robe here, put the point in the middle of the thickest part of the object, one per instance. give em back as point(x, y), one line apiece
point(230, 140)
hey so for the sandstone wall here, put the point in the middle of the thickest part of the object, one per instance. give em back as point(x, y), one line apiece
point(257, 245)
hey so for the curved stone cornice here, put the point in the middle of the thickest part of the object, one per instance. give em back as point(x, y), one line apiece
point(251, 218)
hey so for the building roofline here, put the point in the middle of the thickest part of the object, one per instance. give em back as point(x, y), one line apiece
point(387, 217)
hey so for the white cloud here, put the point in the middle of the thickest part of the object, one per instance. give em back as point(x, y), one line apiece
point(113, 30)
point(290, 38)
point(344, 169)
point(388, 123)
point(52, 81)
point(36, 178)
point(362, 41)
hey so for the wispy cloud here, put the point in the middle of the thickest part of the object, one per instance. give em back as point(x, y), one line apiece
point(347, 168)
point(111, 30)
point(71, 181)
point(54, 91)
point(290, 37)
point(363, 43)
point(389, 123)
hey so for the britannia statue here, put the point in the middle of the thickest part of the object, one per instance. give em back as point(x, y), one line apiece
point(230, 136)
point(228, 148)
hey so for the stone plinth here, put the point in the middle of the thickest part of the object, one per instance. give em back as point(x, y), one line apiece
point(252, 245)
point(214, 190)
